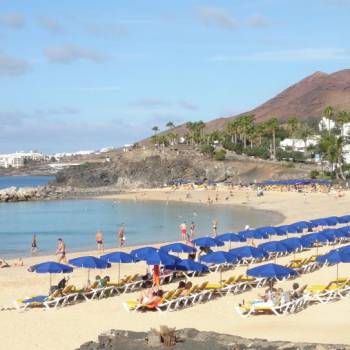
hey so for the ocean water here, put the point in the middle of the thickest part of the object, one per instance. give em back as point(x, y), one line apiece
point(24, 181)
point(76, 221)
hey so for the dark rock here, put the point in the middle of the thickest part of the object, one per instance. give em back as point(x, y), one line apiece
point(192, 339)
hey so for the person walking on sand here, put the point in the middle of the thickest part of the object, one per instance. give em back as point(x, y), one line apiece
point(215, 228)
point(34, 244)
point(121, 236)
point(192, 228)
point(61, 251)
point(99, 240)
point(183, 229)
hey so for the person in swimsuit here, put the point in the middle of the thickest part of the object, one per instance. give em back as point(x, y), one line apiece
point(192, 228)
point(183, 229)
point(34, 244)
point(215, 228)
point(99, 241)
point(61, 251)
point(121, 236)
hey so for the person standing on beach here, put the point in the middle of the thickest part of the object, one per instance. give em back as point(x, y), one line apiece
point(61, 251)
point(215, 228)
point(34, 244)
point(183, 229)
point(99, 240)
point(121, 236)
point(192, 228)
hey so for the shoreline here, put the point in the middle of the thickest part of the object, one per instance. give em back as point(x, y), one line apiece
point(328, 323)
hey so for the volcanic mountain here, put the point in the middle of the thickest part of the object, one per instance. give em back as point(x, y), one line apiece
point(305, 99)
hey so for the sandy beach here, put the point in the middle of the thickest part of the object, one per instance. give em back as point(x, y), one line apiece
point(69, 327)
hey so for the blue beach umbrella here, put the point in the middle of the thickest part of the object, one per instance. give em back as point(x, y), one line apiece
point(230, 237)
point(161, 258)
point(267, 230)
point(282, 230)
point(319, 222)
point(207, 242)
point(271, 271)
point(331, 220)
point(50, 267)
point(89, 262)
point(118, 257)
point(309, 240)
point(293, 243)
point(143, 253)
point(188, 265)
point(246, 234)
point(274, 247)
point(344, 219)
point(335, 257)
point(178, 248)
point(248, 252)
point(219, 258)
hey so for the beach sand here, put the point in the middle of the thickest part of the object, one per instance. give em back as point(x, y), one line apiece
point(69, 327)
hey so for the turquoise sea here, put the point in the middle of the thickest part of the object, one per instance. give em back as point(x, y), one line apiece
point(76, 221)
point(24, 181)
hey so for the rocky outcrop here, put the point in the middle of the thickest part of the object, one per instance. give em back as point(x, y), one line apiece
point(139, 169)
point(192, 339)
point(22, 194)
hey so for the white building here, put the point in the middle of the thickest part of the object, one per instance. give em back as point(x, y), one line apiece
point(326, 124)
point(299, 144)
point(18, 159)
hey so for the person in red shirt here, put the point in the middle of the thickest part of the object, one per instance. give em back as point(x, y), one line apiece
point(156, 275)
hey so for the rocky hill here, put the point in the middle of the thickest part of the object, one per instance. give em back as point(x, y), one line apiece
point(154, 168)
point(306, 99)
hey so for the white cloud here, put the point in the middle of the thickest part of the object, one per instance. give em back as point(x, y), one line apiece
point(12, 20)
point(107, 29)
point(71, 53)
point(258, 21)
point(12, 66)
point(216, 16)
point(50, 24)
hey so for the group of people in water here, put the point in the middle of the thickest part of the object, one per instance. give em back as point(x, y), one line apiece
point(188, 235)
point(61, 245)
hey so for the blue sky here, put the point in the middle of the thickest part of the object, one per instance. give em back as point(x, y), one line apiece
point(88, 74)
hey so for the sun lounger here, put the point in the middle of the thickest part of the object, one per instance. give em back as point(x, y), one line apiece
point(266, 308)
point(51, 301)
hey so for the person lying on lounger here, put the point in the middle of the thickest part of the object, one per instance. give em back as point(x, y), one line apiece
point(296, 291)
point(3, 263)
point(148, 294)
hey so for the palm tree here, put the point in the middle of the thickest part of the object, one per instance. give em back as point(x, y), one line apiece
point(155, 129)
point(232, 130)
point(272, 125)
point(304, 131)
point(292, 127)
point(170, 125)
point(244, 123)
point(342, 117)
point(331, 146)
point(329, 114)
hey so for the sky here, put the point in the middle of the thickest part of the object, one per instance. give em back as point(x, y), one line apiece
point(82, 75)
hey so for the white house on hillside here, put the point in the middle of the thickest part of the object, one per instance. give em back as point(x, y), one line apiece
point(299, 144)
point(328, 124)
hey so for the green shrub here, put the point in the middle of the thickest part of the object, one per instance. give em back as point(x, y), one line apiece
point(314, 174)
point(220, 155)
point(207, 149)
point(260, 152)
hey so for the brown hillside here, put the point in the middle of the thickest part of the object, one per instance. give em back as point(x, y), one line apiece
point(305, 99)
